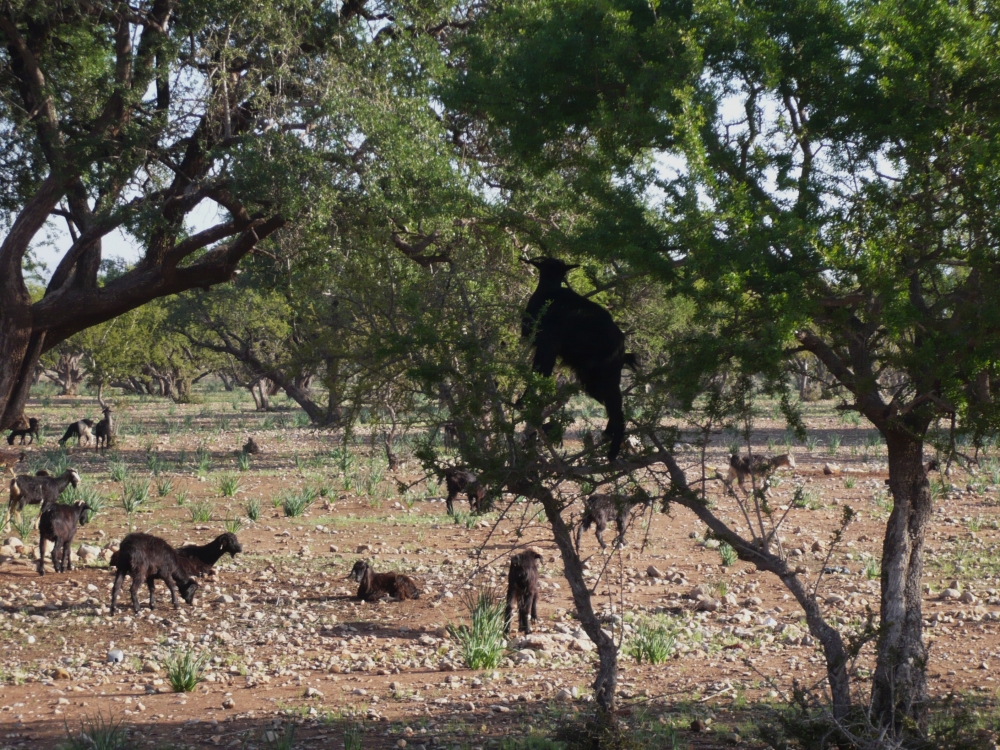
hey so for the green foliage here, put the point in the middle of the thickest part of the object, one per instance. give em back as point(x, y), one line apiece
point(243, 461)
point(252, 508)
point(651, 644)
point(201, 512)
point(229, 485)
point(233, 524)
point(185, 669)
point(482, 644)
point(728, 554)
point(294, 504)
point(118, 471)
point(26, 524)
point(354, 737)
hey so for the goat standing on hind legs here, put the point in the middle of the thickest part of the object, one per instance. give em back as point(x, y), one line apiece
point(564, 325)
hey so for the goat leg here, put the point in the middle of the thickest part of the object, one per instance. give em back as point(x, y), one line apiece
point(508, 612)
point(119, 578)
point(137, 581)
point(169, 580)
point(523, 612)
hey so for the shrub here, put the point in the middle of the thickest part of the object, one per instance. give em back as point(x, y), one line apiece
point(201, 512)
point(482, 644)
point(651, 643)
point(164, 487)
point(243, 461)
point(118, 470)
point(185, 670)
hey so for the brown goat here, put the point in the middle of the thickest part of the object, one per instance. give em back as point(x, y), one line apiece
point(522, 586)
point(741, 467)
point(375, 586)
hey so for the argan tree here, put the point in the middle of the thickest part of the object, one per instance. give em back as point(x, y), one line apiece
point(813, 178)
point(135, 116)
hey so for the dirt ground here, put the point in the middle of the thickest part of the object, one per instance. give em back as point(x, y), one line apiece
point(290, 647)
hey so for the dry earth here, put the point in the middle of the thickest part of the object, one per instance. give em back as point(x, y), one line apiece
point(290, 647)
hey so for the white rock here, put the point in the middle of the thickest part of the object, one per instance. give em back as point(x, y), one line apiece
point(116, 656)
point(951, 594)
point(564, 695)
point(13, 542)
point(88, 552)
point(653, 572)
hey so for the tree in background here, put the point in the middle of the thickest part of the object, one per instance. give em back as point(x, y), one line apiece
point(131, 117)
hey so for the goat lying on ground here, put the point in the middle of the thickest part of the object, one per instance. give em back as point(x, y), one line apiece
point(374, 585)
point(250, 447)
point(197, 561)
point(104, 429)
point(25, 428)
point(522, 586)
point(458, 481)
point(40, 489)
point(741, 467)
point(567, 326)
point(146, 558)
point(81, 430)
point(58, 524)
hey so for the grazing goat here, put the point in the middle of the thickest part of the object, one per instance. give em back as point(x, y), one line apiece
point(522, 586)
point(599, 509)
point(80, 430)
point(146, 558)
point(40, 489)
point(105, 429)
point(564, 325)
point(197, 561)
point(9, 459)
point(458, 481)
point(374, 585)
point(58, 524)
point(24, 428)
point(741, 467)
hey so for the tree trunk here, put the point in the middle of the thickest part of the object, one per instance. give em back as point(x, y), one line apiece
point(606, 683)
point(899, 686)
point(67, 373)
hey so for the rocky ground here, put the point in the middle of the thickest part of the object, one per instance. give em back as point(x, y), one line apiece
point(289, 647)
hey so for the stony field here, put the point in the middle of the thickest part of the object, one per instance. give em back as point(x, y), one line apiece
point(295, 661)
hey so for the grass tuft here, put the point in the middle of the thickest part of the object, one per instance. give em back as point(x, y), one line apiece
point(482, 644)
point(185, 669)
point(252, 508)
point(652, 644)
point(98, 733)
point(201, 512)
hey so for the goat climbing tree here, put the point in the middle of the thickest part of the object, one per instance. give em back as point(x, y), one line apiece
point(135, 118)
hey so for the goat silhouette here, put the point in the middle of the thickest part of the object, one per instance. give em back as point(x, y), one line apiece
point(564, 325)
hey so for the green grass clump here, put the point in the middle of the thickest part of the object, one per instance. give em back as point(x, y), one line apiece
point(185, 670)
point(652, 644)
point(295, 504)
point(25, 525)
point(243, 461)
point(201, 512)
point(233, 524)
point(229, 485)
point(482, 643)
point(164, 486)
point(118, 470)
point(353, 737)
point(98, 733)
point(728, 554)
point(252, 508)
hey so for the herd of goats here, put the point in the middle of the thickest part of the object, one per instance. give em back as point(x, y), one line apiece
point(561, 324)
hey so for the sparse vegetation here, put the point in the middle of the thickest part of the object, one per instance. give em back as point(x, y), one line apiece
point(482, 643)
point(185, 669)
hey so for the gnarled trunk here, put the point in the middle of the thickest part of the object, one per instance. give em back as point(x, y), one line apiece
point(899, 686)
point(20, 350)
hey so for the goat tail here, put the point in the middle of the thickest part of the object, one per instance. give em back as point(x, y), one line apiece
point(631, 361)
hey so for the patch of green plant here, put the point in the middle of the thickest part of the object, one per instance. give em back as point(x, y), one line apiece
point(229, 485)
point(728, 554)
point(462, 518)
point(155, 463)
point(811, 443)
point(283, 740)
point(849, 483)
point(24, 525)
point(201, 512)
point(164, 485)
point(243, 461)
point(872, 568)
point(118, 470)
point(354, 737)
point(185, 669)
point(181, 497)
point(294, 504)
point(651, 643)
point(833, 445)
point(98, 733)
point(252, 508)
point(482, 643)
point(233, 524)
point(135, 493)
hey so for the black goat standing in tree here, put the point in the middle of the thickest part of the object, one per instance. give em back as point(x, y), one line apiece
point(567, 326)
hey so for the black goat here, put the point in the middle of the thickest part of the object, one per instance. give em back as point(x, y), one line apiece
point(599, 509)
point(741, 467)
point(146, 558)
point(197, 561)
point(374, 585)
point(25, 428)
point(40, 489)
point(522, 585)
point(81, 430)
point(458, 481)
point(104, 429)
point(564, 325)
point(58, 524)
